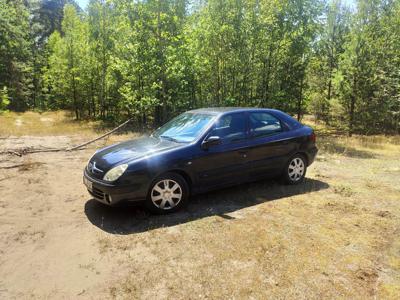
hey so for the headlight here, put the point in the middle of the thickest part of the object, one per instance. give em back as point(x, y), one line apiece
point(115, 173)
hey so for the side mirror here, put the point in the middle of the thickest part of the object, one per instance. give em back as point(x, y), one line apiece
point(211, 141)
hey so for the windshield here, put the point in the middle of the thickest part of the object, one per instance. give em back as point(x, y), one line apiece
point(184, 128)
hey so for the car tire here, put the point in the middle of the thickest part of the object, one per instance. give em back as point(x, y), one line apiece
point(168, 193)
point(295, 170)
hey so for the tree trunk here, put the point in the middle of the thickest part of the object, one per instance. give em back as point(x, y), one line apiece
point(326, 109)
point(352, 106)
point(93, 108)
point(74, 97)
point(161, 93)
point(300, 100)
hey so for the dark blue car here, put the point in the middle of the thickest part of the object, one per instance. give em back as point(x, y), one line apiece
point(198, 151)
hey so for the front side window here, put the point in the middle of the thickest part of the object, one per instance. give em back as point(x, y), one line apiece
point(262, 124)
point(231, 128)
point(184, 128)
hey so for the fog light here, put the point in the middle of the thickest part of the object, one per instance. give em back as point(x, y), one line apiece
point(108, 199)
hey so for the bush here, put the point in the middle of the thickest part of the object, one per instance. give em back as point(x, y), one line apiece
point(4, 101)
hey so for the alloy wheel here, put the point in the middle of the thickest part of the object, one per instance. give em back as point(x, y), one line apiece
point(166, 194)
point(296, 169)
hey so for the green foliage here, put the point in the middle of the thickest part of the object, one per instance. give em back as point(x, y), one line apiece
point(152, 59)
point(68, 63)
point(15, 44)
point(4, 101)
point(152, 67)
point(364, 77)
point(325, 61)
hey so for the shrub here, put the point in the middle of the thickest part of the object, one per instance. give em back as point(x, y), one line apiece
point(4, 101)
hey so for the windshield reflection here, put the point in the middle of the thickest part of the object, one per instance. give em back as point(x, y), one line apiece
point(184, 128)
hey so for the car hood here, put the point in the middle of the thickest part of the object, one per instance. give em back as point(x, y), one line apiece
point(124, 152)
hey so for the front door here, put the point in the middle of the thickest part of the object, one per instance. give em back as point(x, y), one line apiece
point(225, 163)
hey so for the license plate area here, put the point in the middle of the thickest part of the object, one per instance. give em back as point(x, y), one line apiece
point(88, 184)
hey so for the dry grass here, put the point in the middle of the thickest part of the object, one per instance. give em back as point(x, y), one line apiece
point(38, 126)
point(46, 123)
point(332, 142)
point(335, 237)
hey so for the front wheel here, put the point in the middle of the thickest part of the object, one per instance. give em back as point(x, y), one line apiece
point(295, 170)
point(168, 193)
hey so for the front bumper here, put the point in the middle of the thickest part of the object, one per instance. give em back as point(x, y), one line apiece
point(113, 194)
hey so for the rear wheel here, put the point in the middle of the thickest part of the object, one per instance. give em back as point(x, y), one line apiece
point(295, 170)
point(168, 193)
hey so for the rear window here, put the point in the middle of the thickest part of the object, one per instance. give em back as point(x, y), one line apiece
point(289, 122)
point(262, 124)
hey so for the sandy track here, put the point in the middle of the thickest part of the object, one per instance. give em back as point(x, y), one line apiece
point(335, 236)
point(43, 229)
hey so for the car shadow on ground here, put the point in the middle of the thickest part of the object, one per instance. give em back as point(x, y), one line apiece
point(128, 220)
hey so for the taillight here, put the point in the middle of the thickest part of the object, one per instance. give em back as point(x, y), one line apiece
point(313, 138)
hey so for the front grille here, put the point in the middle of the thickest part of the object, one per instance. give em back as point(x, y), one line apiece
point(89, 167)
point(94, 170)
point(97, 193)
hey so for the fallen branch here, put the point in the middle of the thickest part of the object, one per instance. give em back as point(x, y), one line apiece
point(100, 137)
point(13, 166)
point(25, 166)
point(11, 152)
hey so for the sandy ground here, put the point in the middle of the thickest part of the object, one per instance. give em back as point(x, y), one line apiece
point(335, 236)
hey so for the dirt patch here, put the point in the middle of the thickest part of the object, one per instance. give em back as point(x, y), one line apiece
point(335, 236)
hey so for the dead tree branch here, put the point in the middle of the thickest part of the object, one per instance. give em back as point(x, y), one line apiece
point(13, 166)
point(13, 152)
point(100, 137)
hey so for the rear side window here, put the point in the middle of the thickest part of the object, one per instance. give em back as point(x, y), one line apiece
point(231, 128)
point(262, 124)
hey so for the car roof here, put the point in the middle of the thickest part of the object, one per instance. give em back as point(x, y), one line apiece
point(218, 111)
point(223, 110)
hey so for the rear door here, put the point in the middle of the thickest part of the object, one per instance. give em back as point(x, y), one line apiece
point(270, 144)
point(225, 164)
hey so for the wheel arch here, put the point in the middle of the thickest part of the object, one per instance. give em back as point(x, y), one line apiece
point(305, 155)
point(298, 152)
point(182, 173)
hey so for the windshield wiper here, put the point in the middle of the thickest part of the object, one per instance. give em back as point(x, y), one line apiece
point(170, 138)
